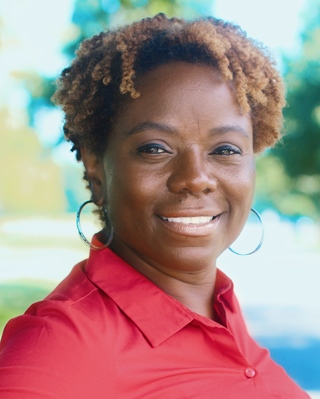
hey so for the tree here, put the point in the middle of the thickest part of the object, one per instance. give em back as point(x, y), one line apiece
point(299, 151)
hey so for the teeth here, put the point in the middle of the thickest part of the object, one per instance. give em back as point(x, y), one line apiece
point(190, 220)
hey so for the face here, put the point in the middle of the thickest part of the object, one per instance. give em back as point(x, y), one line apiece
point(179, 170)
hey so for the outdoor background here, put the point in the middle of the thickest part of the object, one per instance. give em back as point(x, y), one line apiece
point(41, 184)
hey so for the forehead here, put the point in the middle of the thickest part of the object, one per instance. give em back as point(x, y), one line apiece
point(181, 87)
point(186, 97)
point(179, 73)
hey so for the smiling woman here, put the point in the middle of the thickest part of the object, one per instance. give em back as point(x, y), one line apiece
point(166, 116)
point(193, 157)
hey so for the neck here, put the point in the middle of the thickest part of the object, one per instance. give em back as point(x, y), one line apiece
point(198, 298)
point(194, 289)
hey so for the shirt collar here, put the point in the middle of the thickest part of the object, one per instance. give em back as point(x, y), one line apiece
point(155, 313)
point(223, 291)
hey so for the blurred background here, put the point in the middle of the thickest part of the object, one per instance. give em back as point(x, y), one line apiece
point(41, 183)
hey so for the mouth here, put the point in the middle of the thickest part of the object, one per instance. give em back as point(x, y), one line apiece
point(192, 226)
point(195, 220)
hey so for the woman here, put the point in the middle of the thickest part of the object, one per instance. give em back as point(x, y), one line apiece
point(166, 116)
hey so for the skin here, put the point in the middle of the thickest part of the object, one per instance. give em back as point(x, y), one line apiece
point(182, 149)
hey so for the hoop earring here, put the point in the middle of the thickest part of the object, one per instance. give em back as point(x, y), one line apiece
point(82, 236)
point(261, 239)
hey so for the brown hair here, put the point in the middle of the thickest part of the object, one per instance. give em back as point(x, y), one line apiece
point(107, 65)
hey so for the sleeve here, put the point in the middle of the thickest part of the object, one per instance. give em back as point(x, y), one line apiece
point(54, 357)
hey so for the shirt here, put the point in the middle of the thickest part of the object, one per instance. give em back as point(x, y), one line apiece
point(108, 332)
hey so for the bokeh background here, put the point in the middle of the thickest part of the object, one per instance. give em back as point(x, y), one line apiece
point(41, 184)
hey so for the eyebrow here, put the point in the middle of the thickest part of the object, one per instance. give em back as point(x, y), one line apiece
point(229, 128)
point(161, 127)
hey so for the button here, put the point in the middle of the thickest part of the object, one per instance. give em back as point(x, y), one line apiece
point(250, 372)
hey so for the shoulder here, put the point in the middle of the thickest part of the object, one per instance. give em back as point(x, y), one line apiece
point(59, 340)
point(76, 303)
point(75, 297)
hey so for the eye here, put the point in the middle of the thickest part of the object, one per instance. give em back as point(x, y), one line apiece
point(152, 148)
point(226, 150)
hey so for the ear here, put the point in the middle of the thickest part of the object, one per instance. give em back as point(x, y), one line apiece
point(95, 174)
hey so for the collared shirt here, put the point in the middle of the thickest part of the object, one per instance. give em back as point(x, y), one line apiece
point(108, 332)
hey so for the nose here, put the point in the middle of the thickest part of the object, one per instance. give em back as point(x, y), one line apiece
point(192, 173)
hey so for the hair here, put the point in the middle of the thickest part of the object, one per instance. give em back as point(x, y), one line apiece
point(107, 66)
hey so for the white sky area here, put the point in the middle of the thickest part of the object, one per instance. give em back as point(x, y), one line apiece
point(40, 25)
point(34, 31)
point(274, 22)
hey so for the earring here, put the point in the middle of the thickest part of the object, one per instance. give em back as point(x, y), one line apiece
point(261, 239)
point(82, 236)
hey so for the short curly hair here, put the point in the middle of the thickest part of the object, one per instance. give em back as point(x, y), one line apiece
point(103, 74)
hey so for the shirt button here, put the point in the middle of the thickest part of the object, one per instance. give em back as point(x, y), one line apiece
point(250, 372)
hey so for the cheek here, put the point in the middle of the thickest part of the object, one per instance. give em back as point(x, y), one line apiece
point(243, 185)
point(252, 176)
point(241, 197)
point(247, 174)
point(249, 181)
point(129, 195)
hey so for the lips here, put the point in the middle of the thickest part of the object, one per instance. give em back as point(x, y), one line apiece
point(196, 220)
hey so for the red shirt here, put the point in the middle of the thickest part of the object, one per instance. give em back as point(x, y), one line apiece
point(108, 332)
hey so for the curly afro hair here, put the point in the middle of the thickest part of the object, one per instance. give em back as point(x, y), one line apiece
point(106, 67)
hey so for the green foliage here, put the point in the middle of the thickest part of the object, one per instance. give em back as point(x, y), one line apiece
point(275, 189)
point(300, 150)
point(294, 197)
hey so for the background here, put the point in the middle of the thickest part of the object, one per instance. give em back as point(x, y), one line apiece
point(41, 183)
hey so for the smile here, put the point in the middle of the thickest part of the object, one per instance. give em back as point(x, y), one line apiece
point(192, 226)
point(189, 220)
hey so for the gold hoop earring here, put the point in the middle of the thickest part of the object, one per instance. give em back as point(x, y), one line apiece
point(261, 239)
point(81, 234)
